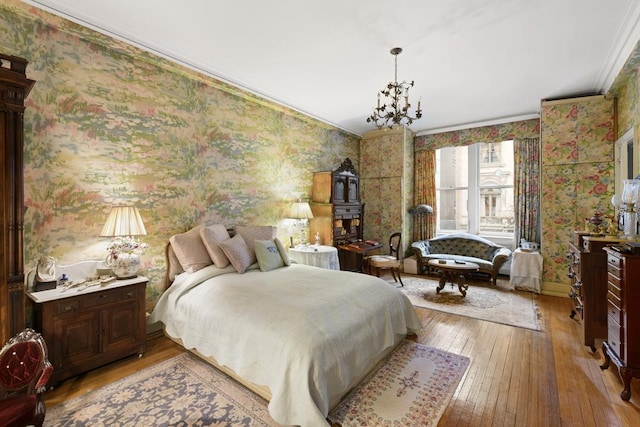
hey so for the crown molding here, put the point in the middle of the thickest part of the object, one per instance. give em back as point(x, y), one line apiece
point(622, 47)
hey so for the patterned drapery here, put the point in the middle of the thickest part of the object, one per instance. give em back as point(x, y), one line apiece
point(526, 137)
point(527, 189)
point(424, 193)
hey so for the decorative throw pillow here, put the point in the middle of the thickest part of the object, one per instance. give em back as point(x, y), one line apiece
point(283, 252)
point(174, 266)
point(190, 250)
point(268, 255)
point(251, 233)
point(211, 236)
point(238, 253)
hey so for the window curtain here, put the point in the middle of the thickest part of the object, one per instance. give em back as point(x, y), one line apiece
point(526, 189)
point(424, 226)
point(526, 137)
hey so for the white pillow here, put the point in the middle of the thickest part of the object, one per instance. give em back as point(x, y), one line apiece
point(211, 236)
point(190, 250)
point(283, 252)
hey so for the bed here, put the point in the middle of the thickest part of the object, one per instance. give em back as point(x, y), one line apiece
point(299, 336)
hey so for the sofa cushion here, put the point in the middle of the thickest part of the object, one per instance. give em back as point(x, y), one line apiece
point(463, 244)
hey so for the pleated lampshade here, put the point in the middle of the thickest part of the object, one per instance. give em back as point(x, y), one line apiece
point(300, 210)
point(123, 221)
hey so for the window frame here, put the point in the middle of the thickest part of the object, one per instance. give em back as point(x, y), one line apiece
point(474, 194)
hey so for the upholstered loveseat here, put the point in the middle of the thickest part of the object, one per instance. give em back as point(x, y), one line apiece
point(463, 247)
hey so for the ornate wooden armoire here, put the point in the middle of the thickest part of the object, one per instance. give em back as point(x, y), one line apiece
point(14, 88)
point(337, 211)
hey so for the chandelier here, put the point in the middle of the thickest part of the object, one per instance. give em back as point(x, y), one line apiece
point(396, 112)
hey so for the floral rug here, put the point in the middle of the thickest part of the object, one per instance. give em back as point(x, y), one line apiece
point(181, 391)
point(412, 388)
point(499, 304)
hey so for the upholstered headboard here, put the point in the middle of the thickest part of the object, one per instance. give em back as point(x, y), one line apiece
point(173, 266)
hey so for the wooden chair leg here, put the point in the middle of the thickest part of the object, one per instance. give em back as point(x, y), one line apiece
point(399, 277)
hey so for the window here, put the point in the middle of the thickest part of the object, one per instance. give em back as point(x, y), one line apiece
point(474, 189)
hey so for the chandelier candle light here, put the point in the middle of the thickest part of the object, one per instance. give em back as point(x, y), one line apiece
point(397, 111)
point(124, 223)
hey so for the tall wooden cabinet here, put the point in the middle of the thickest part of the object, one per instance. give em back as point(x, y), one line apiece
point(14, 88)
point(623, 317)
point(337, 210)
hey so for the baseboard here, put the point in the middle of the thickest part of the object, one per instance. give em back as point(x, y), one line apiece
point(555, 289)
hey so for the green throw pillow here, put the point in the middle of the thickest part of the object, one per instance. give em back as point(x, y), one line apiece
point(268, 255)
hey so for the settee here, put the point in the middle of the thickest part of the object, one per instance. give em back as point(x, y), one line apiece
point(462, 247)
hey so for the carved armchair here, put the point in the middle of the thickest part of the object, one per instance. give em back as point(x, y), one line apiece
point(24, 372)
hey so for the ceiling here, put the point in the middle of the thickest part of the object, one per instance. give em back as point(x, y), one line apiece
point(474, 62)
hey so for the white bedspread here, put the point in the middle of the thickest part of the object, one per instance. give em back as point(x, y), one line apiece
point(308, 333)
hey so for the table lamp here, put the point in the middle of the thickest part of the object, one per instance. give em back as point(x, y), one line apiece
point(124, 223)
point(301, 212)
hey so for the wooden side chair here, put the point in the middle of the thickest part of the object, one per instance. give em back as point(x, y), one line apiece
point(388, 262)
point(24, 372)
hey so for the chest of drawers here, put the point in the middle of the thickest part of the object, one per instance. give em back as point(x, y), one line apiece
point(622, 346)
point(588, 273)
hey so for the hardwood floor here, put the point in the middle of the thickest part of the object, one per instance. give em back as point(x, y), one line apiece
point(517, 377)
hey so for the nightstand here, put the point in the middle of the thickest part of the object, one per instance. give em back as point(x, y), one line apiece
point(321, 256)
point(85, 328)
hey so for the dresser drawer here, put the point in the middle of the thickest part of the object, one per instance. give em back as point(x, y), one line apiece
point(615, 262)
point(613, 279)
point(613, 311)
point(614, 289)
point(69, 305)
point(615, 337)
point(347, 212)
point(99, 298)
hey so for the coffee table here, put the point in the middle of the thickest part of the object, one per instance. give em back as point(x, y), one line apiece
point(454, 271)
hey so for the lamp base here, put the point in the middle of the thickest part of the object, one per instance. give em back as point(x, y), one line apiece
point(125, 266)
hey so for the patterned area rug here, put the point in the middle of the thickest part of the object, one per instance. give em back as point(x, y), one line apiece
point(412, 388)
point(484, 301)
point(182, 391)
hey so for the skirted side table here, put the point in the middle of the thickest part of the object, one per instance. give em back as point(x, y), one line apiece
point(321, 256)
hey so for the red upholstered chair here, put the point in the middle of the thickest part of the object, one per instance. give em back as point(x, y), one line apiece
point(388, 262)
point(24, 372)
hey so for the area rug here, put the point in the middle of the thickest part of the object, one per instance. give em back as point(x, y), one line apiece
point(498, 304)
point(181, 391)
point(412, 388)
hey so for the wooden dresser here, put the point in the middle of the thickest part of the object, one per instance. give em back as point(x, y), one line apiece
point(587, 269)
point(623, 317)
point(85, 328)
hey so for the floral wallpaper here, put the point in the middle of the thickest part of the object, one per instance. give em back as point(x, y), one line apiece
point(386, 159)
point(107, 123)
point(577, 137)
point(495, 133)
